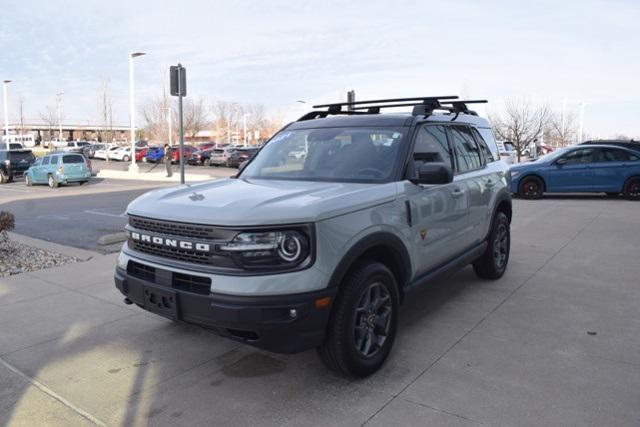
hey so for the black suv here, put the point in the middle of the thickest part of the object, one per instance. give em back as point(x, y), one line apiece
point(14, 163)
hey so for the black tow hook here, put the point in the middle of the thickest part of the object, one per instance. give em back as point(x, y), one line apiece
point(128, 301)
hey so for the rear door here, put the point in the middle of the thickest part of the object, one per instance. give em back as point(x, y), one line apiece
point(74, 165)
point(610, 169)
point(470, 186)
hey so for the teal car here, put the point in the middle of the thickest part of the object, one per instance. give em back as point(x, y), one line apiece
point(56, 169)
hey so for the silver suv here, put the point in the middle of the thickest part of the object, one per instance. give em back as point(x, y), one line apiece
point(297, 252)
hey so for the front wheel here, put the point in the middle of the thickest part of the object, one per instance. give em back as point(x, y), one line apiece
point(52, 182)
point(493, 263)
point(362, 327)
point(145, 160)
point(632, 188)
point(27, 181)
point(126, 158)
point(4, 178)
point(531, 187)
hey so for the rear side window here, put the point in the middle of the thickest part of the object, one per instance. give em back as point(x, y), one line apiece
point(45, 161)
point(486, 152)
point(614, 155)
point(54, 160)
point(432, 146)
point(72, 159)
point(490, 139)
point(466, 150)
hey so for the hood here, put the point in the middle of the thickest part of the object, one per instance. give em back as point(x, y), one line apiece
point(234, 202)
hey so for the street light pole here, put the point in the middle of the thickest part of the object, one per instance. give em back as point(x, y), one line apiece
point(582, 105)
point(6, 113)
point(133, 167)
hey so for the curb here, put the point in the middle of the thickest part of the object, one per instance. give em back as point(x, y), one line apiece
point(81, 254)
point(154, 176)
point(110, 239)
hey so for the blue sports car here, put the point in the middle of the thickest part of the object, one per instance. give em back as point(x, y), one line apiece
point(581, 168)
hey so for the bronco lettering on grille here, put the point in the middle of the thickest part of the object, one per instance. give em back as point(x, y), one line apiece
point(170, 243)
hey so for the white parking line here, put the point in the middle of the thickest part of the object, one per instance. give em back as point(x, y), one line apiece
point(122, 215)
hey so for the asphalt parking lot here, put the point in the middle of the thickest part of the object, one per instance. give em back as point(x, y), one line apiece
point(554, 342)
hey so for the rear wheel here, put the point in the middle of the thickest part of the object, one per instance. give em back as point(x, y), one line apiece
point(145, 160)
point(612, 194)
point(126, 158)
point(52, 182)
point(632, 188)
point(84, 182)
point(4, 178)
point(493, 263)
point(363, 323)
point(531, 187)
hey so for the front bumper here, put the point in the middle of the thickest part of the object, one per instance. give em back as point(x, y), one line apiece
point(262, 321)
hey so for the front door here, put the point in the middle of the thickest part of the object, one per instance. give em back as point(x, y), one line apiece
point(438, 212)
point(573, 171)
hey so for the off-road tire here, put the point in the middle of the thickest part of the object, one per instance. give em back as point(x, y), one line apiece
point(531, 187)
point(632, 188)
point(339, 351)
point(493, 263)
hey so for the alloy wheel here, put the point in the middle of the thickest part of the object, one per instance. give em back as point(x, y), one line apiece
point(501, 246)
point(372, 320)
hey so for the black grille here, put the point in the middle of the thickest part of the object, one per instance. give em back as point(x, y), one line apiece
point(196, 284)
point(173, 253)
point(141, 271)
point(180, 228)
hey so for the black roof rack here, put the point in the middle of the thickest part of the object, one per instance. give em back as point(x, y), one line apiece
point(425, 106)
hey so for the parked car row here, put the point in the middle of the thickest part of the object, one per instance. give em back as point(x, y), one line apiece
point(230, 157)
point(53, 169)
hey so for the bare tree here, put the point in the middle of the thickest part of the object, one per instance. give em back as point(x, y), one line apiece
point(561, 131)
point(194, 116)
point(154, 113)
point(50, 117)
point(105, 109)
point(521, 123)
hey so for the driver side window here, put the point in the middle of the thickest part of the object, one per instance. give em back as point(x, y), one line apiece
point(432, 146)
point(577, 157)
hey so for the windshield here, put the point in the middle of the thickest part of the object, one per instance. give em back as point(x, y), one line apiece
point(553, 155)
point(329, 154)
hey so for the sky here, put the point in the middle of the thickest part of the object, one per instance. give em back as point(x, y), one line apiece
point(277, 52)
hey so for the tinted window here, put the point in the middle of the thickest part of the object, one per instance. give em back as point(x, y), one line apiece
point(431, 146)
point(466, 151)
point(486, 152)
point(70, 144)
point(54, 160)
point(585, 155)
point(614, 155)
point(72, 159)
point(45, 161)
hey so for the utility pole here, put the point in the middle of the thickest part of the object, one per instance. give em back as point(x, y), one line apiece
point(133, 167)
point(5, 83)
point(581, 128)
point(59, 103)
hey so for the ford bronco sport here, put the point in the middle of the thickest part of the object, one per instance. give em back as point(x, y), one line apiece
point(319, 250)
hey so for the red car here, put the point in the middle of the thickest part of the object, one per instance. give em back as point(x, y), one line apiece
point(140, 153)
point(188, 151)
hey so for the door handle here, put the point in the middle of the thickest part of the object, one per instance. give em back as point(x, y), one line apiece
point(456, 193)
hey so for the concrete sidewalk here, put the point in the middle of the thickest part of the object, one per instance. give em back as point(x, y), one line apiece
point(555, 342)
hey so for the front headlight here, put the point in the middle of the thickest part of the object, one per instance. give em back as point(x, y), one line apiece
point(279, 248)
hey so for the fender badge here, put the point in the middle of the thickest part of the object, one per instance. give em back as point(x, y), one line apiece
point(423, 233)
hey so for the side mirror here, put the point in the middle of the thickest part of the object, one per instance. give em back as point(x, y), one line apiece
point(433, 173)
point(561, 161)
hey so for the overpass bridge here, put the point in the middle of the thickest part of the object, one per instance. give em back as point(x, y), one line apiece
point(70, 132)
